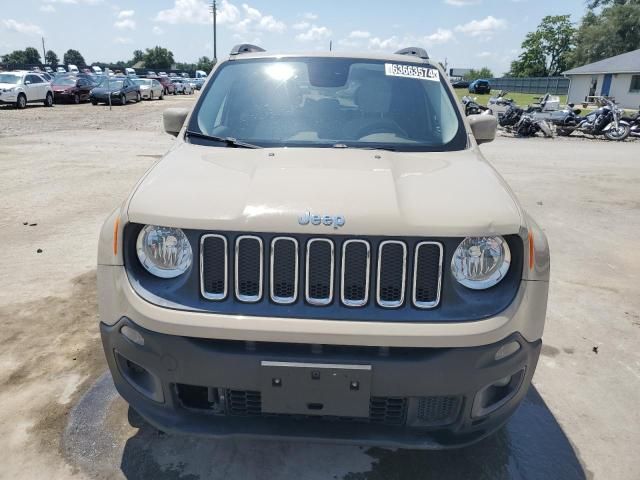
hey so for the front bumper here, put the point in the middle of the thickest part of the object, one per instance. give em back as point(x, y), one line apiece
point(8, 98)
point(213, 387)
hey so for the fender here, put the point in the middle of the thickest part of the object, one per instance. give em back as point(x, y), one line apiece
point(610, 125)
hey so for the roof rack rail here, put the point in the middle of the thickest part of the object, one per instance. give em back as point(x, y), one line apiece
point(246, 48)
point(414, 52)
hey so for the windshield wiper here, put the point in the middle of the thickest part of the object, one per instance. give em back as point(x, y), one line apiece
point(229, 141)
point(342, 145)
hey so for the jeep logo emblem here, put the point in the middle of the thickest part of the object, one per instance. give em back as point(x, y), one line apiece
point(336, 221)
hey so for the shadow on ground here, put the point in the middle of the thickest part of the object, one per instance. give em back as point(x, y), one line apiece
point(106, 440)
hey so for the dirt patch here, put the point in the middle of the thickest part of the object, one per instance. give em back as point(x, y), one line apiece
point(51, 353)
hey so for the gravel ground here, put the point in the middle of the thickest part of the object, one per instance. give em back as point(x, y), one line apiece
point(64, 169)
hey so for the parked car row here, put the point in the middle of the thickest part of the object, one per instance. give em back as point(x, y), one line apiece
point(21, 87)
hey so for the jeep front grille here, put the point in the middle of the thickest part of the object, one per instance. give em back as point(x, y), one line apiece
point(321, 271)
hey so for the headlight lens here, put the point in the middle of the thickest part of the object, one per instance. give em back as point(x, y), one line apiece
point(164, 251)
point(481, 262)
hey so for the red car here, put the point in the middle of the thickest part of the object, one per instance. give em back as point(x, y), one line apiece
point(168, 86)
point(71, 89)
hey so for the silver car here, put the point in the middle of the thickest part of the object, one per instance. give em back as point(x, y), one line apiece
point(182, 86)
point(150, 89)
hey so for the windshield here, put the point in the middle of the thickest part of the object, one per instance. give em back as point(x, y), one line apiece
point(9, 78)
point(66, 81)
point(140, 81)
point(110, 83)
point(324, 102)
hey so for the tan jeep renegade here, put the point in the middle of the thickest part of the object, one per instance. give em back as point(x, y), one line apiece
point(324, 254)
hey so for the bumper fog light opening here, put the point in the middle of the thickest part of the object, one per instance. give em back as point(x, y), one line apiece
point(496, 394)
point(132, 335)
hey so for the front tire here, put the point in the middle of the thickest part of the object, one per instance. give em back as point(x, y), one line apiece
point(94, 102)
point(21, 102)
point(151, 96)
point(620, 134)
point(123, 99)
point(564, 132)
point(138, 97)
point(48, 101)
point(76, 99)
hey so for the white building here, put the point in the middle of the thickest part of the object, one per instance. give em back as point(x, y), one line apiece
point(617, 77)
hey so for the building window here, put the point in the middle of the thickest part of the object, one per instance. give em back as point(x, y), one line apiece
point(635, 84)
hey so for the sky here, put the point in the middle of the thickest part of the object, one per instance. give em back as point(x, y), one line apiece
point(464, 33)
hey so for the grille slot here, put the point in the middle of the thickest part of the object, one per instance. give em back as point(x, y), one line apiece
point(392, 272)
point(284, 270)
point(438, 411)
point(248, 268)
point(244, 403)
point(319, 271)
point(356, 264)
point(214, 274)
point(388, 410)
point(427, 274)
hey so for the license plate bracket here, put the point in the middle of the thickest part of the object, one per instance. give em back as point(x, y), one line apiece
point(315, 389)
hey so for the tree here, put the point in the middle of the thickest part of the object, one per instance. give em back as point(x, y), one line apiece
point(205, 64)
point(27, 56)
point(546, 51)
point(73, 57)
point(158, 57)
point(51, 58)
point(138, 56)
point(484, 72)
point(612, 31)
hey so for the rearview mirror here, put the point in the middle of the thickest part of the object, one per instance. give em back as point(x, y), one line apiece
point(173, 119)
point(483, 127)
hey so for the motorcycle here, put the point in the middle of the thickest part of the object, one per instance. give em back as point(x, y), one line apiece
point(523, 123)
point(606, 121)
point(634, 124)
point(471, 107)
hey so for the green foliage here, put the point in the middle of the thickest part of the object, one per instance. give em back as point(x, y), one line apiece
point(205, 64)
point(51, 58)
point(612, 31)
point(73, 57)
point(29, 55)
point(158, 58)
point(484, 72)
point(138, 56)
point(545, 52)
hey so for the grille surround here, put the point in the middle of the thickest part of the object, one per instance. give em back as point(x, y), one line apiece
point(319, 301)
point(249, 298)
point(275, 298)
point(415, 301)
point(391, 303)
point(343, 298)
point(209, 295)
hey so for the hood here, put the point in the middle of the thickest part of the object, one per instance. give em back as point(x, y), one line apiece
point(8, 86)
point(62, 88)
point(376, 192)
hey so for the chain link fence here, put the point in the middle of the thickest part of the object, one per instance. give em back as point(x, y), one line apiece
point(542, 85)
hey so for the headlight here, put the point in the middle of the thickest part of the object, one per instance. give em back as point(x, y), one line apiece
point(481, 262)
point(164, 251)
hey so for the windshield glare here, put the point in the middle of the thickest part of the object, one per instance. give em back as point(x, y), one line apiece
point(9, 78)
point(329, 102)
point(112, 84)
point(141, 82)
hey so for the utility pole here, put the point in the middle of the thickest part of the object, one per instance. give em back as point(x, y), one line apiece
point(44, 53)
point(214, 10)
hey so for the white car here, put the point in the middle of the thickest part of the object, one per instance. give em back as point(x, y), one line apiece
point(149, 88)
point(61, 70)
point(19, 88)
point(182, 86)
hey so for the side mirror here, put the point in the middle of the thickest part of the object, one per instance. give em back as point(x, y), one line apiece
point(27, 82)
point(483, 127)
point(173, 119)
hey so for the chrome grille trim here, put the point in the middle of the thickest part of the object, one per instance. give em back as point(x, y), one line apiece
point(308, 298)
point(355, 303)
point(400, 301)
point(249, 298)
point(205, 294)
point(427, 305)
point(283, 300)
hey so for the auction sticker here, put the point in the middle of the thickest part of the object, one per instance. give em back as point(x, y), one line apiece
point(411, 71)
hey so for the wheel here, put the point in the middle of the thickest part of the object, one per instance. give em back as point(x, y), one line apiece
point(123, 99)
point(76, 99)
point(161, 97)
point(94, 102)
point(138, 97)
point(165, 91)
point(48, 101)
point(618, 134)
point(564, 132)
point(175, 93)
point(151, 95)
point(21, 102)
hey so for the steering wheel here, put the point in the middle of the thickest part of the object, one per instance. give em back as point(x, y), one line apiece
point(382, 126)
